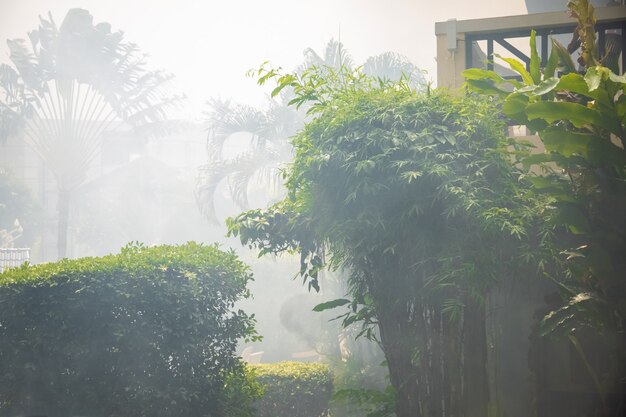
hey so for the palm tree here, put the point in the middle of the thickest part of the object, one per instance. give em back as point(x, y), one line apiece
point(268, 130)
point(67, 86)
point(335, 55)
point(392, 66)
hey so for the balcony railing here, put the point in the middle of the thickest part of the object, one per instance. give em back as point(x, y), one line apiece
point(458, 41)
point(13, 257)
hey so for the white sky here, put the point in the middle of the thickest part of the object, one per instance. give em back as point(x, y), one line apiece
point(209, 45)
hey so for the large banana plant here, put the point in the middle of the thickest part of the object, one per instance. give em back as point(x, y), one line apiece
point(67, 85)
point(580, 117)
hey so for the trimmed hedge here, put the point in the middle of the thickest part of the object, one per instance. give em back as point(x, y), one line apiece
point(146, 332)
point(293, 389)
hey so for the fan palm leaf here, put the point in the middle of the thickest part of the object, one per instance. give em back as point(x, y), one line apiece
point(265, 132)
point(335, 55)
point(70, 84)
point(390, 66)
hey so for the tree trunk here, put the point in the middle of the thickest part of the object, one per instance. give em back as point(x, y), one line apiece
point(398, 345)
point(475, 382)
point(63, 211)
point(452, 364)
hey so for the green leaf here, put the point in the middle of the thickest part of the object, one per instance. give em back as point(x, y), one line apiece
point(597, 150)
point(567, 143)
point(572, 216)
point(486, 87)
point(546, 86)
point(535, 61)
point(518, 67)
point(283, 82)
point(480, 74)
point(450, 138)
point(565, 59)
point(559, 190)
point(621, 79)
point(515, 107)
point(553, 62)
point(537, 158)
point(541, 182)
point(483, 74)
point(593, 78)
point(537, 125)
point(620, 107)
point(579, 115)
point(331, 304)
point(575, 83)
point(551, 112)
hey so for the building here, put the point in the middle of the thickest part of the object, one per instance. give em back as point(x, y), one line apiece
point(529, 374)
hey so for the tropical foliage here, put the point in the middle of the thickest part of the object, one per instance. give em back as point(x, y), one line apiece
point(580, 118)
point(69, 84)
point(146, 332)
point(396, 187)
point(268, 131)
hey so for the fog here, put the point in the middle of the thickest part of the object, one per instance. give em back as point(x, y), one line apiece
point(151, 188)
point(144, 191)
point(209, 45)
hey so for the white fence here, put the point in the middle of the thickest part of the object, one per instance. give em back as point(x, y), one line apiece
point(12, 257)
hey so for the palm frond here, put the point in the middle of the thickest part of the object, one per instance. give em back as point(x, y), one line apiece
point(391, 66)
point(238, 172)
point(225, 119)
point(74, 82)
point(335, 55)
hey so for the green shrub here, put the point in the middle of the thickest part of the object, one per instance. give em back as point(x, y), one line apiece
point(146, 332)
point(293, 389)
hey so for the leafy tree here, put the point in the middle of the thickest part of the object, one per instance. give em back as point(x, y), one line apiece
point(270, 129)
point(413, 196)
point(68, 85)
point(580, 118)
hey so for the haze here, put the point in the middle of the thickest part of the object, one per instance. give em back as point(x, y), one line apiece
point(209, 45)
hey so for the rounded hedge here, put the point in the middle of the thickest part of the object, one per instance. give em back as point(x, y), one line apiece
point(146, 332)
point(293, 389)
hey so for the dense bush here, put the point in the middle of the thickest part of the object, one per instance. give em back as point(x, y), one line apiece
point(414, 197)
point(146, 332)
point(293, 389)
